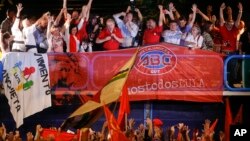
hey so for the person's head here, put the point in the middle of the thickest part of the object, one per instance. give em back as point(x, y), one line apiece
point(55, 30)
point(43, 21)
point(151, 23)
point(7, 38)
point(94, 19)
point(173, 25)
point(196, 30)
point(229, 10)
point(26, 23)
point(75, 15)
point(182, 21)
point(141, 127)
point(73, 29)
point(110, 24)
point(209, 8)
point(208, 26)
point(11, 13)
point(128, 17)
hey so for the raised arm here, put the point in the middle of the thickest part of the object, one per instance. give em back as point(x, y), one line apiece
point(139, 14)
point(65, 7)
point(88, 9)
point(194, 8)
point(170, 12)
point(205, 17)
point(161, 17)
point(128, 9)
point(237, 22)
point(117, 17)
point(50, 22)
point(15, 26)
point(59, 16)
point(176, 13)
point(222, 20)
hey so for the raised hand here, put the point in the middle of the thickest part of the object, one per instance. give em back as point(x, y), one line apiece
point(194, 8)
point(19, 7)
point(240, 6)
point(223, 6)
point(160, 7)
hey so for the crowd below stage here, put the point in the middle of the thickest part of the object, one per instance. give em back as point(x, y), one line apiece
point(152, 131)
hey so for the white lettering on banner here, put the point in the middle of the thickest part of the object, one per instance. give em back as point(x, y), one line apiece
point(43, 73)
point(161, 85)
point(12, 91)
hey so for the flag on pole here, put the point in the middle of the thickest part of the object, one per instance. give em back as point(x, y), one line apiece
point(84, 116)
point(228, 119)
point(212, 127)
point(114, 129)
point(239, 116)
point(124, 106)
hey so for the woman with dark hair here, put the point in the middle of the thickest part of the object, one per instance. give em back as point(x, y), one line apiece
point(78, 32)
point(57, 35)
point(208, 42)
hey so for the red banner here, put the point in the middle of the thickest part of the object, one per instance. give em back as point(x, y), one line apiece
point(161, 72)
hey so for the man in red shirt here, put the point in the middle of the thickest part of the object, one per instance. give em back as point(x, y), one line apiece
point(111, 36)
point(152, 33)
point(229, 32)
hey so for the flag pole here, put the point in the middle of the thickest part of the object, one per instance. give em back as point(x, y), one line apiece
point(126, 121)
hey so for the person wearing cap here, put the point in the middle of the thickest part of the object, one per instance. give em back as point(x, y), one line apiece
point(158, 132)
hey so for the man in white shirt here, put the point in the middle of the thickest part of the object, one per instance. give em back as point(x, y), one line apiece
point(128, 28)
point(173, 35)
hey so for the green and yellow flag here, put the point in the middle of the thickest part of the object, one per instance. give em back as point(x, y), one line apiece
point(90, 111)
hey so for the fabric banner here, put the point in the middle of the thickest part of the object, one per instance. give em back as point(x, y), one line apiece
point(50, 134)
point(26, 84)
point(161, 72)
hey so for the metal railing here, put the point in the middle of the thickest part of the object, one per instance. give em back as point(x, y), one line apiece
point(226, 82)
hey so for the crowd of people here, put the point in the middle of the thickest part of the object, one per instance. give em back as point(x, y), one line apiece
point(81, 31)
point(152, 131)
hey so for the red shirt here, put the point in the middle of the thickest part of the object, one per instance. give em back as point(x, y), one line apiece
point(152, 36)
point(229, 38)
point(110, 44)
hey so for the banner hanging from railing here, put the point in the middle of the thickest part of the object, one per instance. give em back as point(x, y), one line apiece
point(161, 72)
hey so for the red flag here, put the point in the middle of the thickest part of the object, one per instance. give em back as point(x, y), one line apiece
point(124, 106)
point(228, 119)
point(211, 129)
point(58, 136)
point(239, 117)
point(114, 129)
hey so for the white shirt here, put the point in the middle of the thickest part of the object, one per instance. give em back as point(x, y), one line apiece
point(18, 36)
point(173, 37)
point(29, 38)
point(195, 42)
